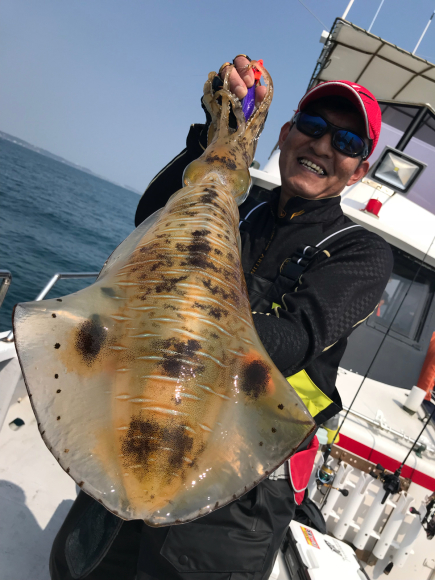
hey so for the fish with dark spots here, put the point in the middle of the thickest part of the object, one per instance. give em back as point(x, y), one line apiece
point(168, 396)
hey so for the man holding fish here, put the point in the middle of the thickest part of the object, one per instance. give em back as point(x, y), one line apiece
point(312, 277)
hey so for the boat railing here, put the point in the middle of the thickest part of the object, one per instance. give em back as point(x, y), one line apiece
point(6, 278)
point(47, 288)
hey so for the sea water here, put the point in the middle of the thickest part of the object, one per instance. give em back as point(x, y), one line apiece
point(55, 218)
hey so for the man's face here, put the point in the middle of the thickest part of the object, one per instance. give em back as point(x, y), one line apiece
point(297, 149)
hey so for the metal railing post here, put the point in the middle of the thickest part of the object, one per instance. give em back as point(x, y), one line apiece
point(7, 279)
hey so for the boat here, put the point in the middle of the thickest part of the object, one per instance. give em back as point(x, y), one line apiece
point(357, 487)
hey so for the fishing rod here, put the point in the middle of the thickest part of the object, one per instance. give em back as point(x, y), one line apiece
point(324, 475)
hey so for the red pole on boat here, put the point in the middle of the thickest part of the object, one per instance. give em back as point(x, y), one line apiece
point(427, 375)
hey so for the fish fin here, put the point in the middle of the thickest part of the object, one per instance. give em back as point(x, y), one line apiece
point(69, 350)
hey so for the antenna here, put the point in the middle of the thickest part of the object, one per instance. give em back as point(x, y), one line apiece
point(376, 15)
point(424, 32)
point(349, 6)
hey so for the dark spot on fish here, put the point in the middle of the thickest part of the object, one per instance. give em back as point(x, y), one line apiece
point(217, 252)
point(216, 289)
point(273, 430)
point(59, 299)
point(115, 512)
point(58, 418)
point(228, 163)
point(168, 284)
point(66, 450)
point(53, 315)
point(266, 472)
point(216, 505)
point(172, 363)
point(234, 496)
point(209, 196)
point(169, 307)
point(281, 406)
point(58, 391)
point(110, 292)
point(214, 335)
point(151, 496)
point(67, 470)
point(145, 439)
point(57, 345)
point(261, 444)
point(255, 377)
point(90, 338)
point(56, 376)
point(156, 265)
point(200, 233)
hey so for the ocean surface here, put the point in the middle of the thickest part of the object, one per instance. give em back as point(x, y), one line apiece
point(55, 218)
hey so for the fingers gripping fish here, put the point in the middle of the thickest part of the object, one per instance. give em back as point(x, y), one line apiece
point(151, 387)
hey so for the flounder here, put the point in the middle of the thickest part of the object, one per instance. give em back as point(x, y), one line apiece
point(151, 387)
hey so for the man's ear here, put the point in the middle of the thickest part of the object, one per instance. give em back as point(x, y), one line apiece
point(360, 172)
point(285, 129)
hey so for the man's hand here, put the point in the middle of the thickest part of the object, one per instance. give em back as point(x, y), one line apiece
point(241, 78)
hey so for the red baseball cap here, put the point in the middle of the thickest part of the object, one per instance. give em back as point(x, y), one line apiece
point(362, 98)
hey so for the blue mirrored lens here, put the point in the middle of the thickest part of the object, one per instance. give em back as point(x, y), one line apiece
point(310, 125)
point(348, 142)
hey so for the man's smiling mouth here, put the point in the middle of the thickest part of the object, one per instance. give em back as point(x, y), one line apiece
point(311, 166)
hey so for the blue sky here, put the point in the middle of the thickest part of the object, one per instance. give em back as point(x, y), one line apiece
point(114, 86)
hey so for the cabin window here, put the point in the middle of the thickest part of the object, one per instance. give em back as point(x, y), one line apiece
point(406, 299)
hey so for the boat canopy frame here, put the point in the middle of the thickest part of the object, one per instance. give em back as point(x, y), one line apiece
point(352, 53)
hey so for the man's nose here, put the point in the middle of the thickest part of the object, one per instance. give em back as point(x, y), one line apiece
point(323, 145)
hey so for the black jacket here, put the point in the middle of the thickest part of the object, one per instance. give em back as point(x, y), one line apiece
point(310, 329)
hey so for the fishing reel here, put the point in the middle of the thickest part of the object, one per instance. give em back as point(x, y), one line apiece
point(428, 521)
point(325, 476)
point(390, 481)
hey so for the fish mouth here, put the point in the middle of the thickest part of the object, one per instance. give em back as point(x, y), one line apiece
point(312, 167)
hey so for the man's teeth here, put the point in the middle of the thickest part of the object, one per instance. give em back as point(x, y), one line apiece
point(312, 166)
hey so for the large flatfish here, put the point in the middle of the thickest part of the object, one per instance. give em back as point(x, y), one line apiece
point(151, 387)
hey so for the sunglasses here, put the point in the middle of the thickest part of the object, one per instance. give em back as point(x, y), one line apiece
point(347, 142)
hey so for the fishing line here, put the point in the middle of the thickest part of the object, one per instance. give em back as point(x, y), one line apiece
point(329, 447)
point(312, 13)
